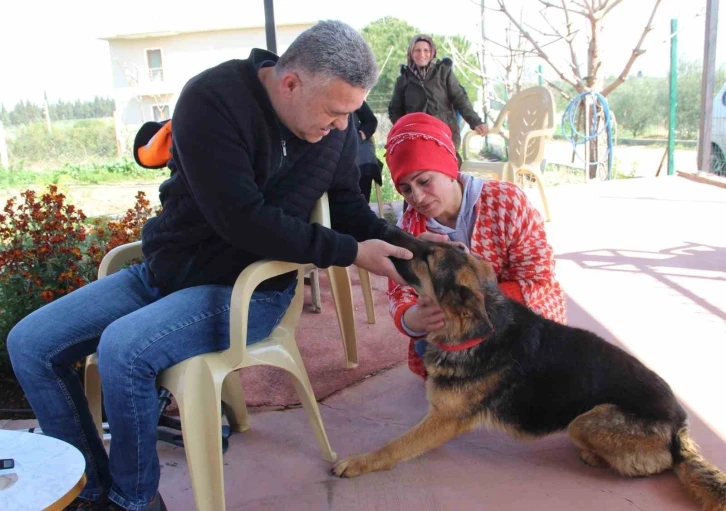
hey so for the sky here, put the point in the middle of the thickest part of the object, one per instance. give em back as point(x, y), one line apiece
point(55, 47)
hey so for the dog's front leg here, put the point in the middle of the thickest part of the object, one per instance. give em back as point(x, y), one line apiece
point(434, 430)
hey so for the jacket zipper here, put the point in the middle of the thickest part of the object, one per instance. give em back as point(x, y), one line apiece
point(284, 154)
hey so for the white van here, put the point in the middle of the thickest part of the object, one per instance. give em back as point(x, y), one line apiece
point(718, 133)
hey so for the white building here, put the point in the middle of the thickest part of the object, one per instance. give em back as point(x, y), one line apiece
point(149, 69)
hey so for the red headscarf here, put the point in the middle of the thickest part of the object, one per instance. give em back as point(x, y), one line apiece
point(419, 141)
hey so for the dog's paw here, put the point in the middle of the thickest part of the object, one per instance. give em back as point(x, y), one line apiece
point(593, 460)
point(353, 466)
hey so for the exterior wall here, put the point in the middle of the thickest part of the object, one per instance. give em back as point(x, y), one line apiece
point(137, 88)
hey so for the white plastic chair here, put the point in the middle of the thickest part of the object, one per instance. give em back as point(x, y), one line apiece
point(200, 384)
point(530, 116)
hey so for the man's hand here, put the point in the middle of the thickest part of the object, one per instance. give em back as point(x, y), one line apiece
point(482, 129)
point(373, 255)
point(425, 316)
point(442, 238)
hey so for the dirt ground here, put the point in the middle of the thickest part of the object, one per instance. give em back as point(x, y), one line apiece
point(96, 200)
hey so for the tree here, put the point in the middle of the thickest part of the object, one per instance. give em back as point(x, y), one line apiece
point(388, 38)
point(688, 112)
point(639, 104)
point(4, 115)
point(577, 19)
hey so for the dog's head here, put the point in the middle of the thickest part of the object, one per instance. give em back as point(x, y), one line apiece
point(457, 281)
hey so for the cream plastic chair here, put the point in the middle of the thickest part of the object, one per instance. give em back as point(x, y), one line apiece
point(200, 384)
point(342, 291)
point(530, 116)
point(347, 323)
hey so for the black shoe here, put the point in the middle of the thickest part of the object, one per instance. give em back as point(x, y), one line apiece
point(79, 504)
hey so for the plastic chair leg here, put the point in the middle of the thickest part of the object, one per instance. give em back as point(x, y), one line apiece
point(342, 292)
point(315, 291)
point(233, 400)
point(92, 388)
point(200, 413)
point(301, 382)
point(379, 197)
point(538, 179)
point(367, 288)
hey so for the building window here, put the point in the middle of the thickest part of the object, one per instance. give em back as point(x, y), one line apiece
point(153, 61)
point(161, 112)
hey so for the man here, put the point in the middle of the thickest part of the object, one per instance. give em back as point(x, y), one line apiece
point(255, 144)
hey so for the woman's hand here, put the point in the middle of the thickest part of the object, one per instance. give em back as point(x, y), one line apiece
point(362, 135)
point(442, 238)
point(425, 316)
point(482, 129)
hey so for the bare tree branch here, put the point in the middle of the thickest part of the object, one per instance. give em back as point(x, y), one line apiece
point(637, 52)
point(540, 51)
point(556, 33)
point(548, 4)
point(557, 88)
point(611, 7)
point(590, 9)
point(570, 42)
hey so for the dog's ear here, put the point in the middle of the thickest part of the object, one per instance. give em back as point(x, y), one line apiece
point(466, 305)
point(401, 238)
point(485, 271)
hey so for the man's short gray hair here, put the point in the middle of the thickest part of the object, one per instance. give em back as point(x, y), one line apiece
point(332, 49)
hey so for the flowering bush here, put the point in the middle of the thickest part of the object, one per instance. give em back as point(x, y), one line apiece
point(48, 249)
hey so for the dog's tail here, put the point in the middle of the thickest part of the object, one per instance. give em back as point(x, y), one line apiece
point(703, 480)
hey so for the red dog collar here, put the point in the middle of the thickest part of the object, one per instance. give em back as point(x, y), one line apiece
point(463, 346)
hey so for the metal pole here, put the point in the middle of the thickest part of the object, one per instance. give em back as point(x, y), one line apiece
point(709, 66)
point(539, 75)
point(673, 97)
point(270, 26)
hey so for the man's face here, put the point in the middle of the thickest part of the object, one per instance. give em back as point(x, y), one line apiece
point(317, 108)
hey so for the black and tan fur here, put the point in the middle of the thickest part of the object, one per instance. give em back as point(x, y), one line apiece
point(531, 377)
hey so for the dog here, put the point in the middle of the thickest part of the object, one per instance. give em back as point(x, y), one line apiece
point(499, 365)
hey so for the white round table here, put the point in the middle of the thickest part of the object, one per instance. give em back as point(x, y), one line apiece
point(48, 473)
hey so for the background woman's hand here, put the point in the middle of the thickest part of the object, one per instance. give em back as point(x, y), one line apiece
point(482, 129)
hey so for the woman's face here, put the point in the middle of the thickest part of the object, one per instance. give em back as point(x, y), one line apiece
point(429, 192)
point(422, 53)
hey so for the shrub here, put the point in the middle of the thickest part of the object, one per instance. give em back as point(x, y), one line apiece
point(48, 249)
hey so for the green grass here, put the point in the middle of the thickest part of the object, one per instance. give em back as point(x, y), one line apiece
point(89, 173)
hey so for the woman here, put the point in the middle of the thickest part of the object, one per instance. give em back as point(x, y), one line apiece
point(429, 85)
point(493, 219)
point(370, 166)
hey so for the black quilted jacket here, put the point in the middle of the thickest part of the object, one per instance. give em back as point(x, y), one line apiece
point(222, 207)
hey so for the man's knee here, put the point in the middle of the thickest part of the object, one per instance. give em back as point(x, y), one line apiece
point(22, 345)
point(120, 350)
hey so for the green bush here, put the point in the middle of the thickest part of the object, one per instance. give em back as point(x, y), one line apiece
point(48, 249)
point(84, 140)
point(86, 173)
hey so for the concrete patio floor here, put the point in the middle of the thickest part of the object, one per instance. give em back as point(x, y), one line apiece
point(643, 263)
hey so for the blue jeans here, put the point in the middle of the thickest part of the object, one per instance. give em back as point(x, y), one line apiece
point(137, 333)
point(420, 347)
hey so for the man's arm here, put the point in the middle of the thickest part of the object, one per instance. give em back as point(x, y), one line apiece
point(215, 161)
